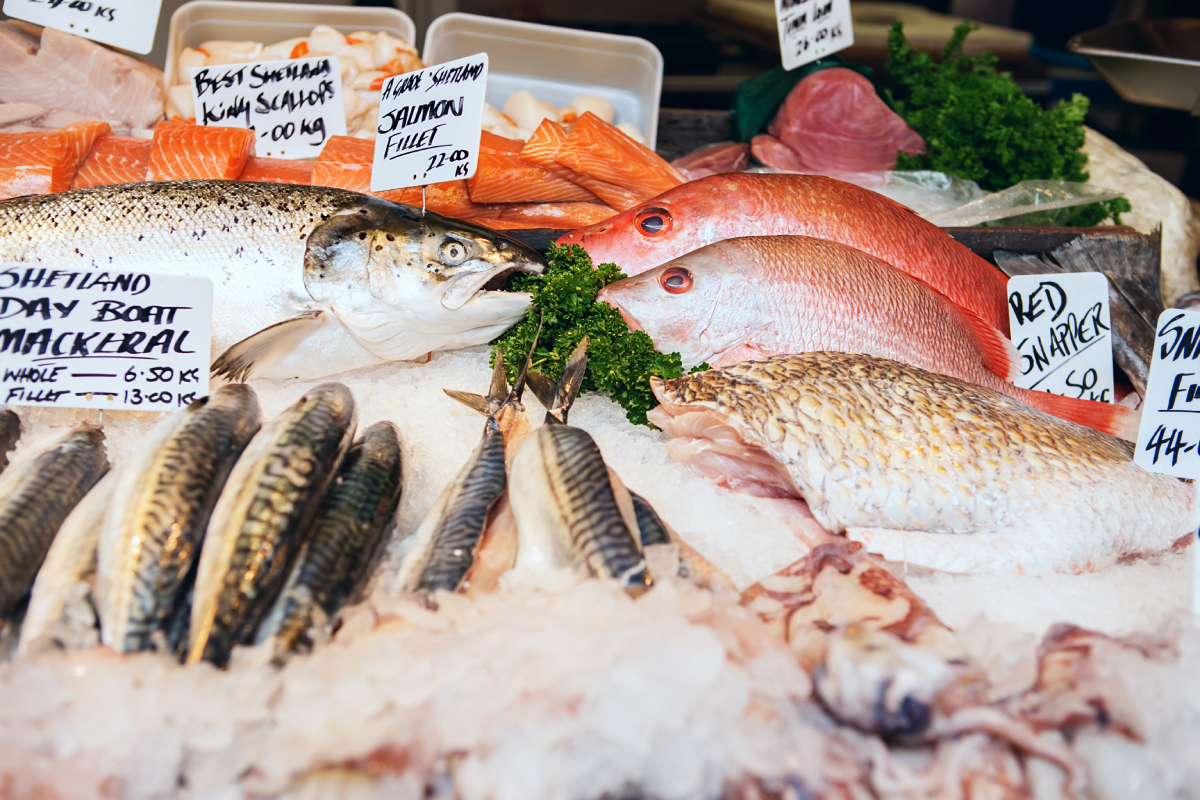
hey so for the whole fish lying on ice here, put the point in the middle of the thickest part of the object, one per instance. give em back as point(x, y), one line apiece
point(307, 280)
point(750, 298)
point(921, 467)
point(719, 207)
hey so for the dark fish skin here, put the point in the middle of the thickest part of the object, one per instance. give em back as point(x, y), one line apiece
point(182, 485)
point(452, 551)
point(257, 530)
point(650, 525)
point(10, 434)
point(351, 525)
point(32, 513)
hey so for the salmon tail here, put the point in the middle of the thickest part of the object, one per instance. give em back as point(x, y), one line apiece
point(558, 397)
point(1120, 421)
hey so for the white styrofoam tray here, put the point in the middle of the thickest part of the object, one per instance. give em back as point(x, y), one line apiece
point(556, 64)
point(241, 20)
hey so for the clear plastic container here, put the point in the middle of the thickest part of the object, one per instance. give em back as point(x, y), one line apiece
point(204, 20)
point(556, 64)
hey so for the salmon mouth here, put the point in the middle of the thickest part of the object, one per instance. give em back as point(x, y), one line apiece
point(604, 297)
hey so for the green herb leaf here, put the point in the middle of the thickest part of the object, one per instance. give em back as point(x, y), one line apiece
point(620, 361)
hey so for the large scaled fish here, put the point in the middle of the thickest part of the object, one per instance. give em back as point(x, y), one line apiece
point(570, 508)
point(35, 498)
point(750, 298)
point(261, 518)
point(726, 206)
point(307, 280)
point(923, 468)
point(161, 505)
point(353, 523)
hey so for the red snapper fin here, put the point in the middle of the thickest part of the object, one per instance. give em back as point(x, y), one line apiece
point(1000, 356)
point(1120, 421)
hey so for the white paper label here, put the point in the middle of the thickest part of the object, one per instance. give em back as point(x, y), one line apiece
point(1061, 328)
point(429, 125)
point(812, 29)
point(1170, 424)
point(76, 339)
point(128, 24)
point(293, 105)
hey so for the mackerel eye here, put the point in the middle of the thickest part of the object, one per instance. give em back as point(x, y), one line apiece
point(675, 280)
point(453, 253)
point(653, 221)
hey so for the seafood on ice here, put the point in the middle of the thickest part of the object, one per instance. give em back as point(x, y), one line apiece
point(522, 114)
point(306, 281)
point(366, 60)
point(921, 468)
point(731, 205)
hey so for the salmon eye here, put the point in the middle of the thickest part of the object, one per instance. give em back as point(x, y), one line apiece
point(453, 253)
point(653, 221)
point(675, 280)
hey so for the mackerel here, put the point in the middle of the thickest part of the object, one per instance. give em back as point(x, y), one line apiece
point(35, 498)
point(10, 434)
point(163, 499)
point(354, 521)
point(262, 516)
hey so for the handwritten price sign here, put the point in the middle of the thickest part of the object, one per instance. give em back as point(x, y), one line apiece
point(1060, 325)
point(293, 106)
point(128, 24)
point(812, 29)
point(128, 340)
point(1170, 426)
point(429, 125)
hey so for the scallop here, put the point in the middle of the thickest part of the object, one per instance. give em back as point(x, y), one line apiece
point(527, 111)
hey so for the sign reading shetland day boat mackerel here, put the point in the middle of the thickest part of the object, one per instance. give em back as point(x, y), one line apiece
point(128, 24)
point(1170, 427)
point(429, 121)
point(110, 340)
point(812, 29)
point(1061, 328)
point(293, 105)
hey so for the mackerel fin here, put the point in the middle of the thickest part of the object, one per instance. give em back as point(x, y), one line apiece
point(558, 400)
point(267, 347)
point(497, 393)
point(476, 402)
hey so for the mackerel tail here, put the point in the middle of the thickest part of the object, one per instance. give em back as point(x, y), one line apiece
point(559, 397)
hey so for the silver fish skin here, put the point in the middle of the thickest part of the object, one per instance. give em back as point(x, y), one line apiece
point(923, 468)
point(61, 614)
point(155, 524)
point(35, 500)
point(570, 509)
point(10, 434)
point(262, 516)
point(354, 521)
point(308, 280)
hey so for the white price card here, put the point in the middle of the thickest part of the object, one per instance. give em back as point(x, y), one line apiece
point(79, 339)
point(1170, 426)
point(128, 24)
point(1061, 328)
point(812, 29)
point(293, 106)
point(429, 120)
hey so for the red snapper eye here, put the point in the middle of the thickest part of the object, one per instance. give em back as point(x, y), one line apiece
point(675, 280)
point(653, 221)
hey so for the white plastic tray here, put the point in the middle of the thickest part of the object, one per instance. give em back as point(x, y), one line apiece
point(556, 64)
point(203, 20)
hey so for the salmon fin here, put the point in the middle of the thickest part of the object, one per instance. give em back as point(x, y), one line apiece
point(1120, 421)
point(267, 347)
point(567, 388)
point(1000, 356)
point(475, 402)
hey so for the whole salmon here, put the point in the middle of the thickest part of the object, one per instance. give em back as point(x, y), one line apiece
point(920, 467)
point(718, 207)
point(750, 298)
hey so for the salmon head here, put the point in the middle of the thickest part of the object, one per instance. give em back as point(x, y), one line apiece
point(407, 283)
point(699, 305)
point(681, 220)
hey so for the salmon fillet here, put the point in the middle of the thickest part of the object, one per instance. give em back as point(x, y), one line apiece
point(277, 170)
point(114, 159)
point(492, 143)
point(344, 163)
point(183, 150)
point(596, 148)
point(544, 145)
point(44, 162)
point(559, 216)
point(504, 178)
